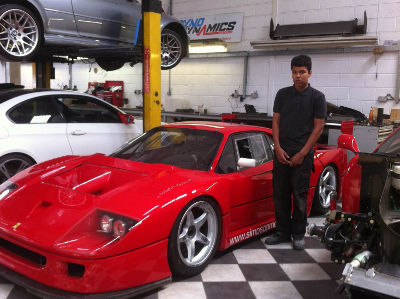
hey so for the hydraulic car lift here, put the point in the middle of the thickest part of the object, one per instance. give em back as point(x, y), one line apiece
point(44, 71)
point(151, 20)
point(151, 12)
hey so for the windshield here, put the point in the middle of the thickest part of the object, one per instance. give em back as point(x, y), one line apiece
point(391, 145)
point(184, 148)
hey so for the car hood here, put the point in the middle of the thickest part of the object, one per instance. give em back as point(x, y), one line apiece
point(53, 198)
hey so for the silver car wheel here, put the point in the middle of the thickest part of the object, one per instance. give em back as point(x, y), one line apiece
point(197, 233)
point(171, 49)
point(19, 33)
point(10, 165)
point(327, 186)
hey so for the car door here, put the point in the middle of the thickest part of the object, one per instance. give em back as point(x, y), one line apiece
point(93, 126)
point(250, 187)
point(107, 19)
point(60, 17)
point(38, 129)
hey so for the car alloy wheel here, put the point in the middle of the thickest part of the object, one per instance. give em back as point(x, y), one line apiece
point(194, 238)
point(11, 164)
point(20, 33)
point(171, 49)
point(327, 186)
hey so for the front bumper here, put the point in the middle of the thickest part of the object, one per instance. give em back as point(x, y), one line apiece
point(118, 274)
point(48, 292)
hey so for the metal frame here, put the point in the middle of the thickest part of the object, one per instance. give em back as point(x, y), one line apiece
point(151, 10)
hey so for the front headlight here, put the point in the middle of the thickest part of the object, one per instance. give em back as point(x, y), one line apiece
point(119, 228)
point(106, 224)
point(95, 233)
point(6, 188)
point(116, 225)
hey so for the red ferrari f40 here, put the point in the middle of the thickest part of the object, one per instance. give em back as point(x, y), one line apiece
point(160, 205)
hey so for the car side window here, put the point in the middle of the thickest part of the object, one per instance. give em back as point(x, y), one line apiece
point(270, 143)
point(269, 146)
point(253, 146)
point(86, 110)
point(36, 111)
point(227, 161)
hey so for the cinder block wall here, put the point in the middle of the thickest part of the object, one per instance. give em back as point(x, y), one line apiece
point(355, 80)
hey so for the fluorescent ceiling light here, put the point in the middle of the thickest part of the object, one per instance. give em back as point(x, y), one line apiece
point(207, 46)
point(207, 49)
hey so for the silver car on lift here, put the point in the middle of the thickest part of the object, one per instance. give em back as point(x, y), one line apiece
point(71, 27)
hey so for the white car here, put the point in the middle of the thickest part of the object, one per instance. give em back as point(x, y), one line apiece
point(38, 125)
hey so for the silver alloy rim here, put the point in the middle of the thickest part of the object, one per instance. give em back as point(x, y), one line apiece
point(12, 166)
point(19, 33)
point(197, 233)
point(171, 50)
point(327, 186)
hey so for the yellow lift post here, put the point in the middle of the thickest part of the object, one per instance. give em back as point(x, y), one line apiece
point(151, 10)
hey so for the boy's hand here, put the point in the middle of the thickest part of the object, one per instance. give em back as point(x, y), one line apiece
point(282, 156)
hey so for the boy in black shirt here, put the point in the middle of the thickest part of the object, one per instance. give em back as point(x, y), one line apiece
point(298, 121)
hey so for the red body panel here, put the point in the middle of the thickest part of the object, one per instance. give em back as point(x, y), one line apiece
point(55, 208)
point(113, 273)
point(352, 180)
point(351, 187)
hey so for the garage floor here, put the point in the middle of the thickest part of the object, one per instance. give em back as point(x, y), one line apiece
point(250, 270)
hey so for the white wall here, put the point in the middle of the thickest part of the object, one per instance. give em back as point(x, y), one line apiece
point(27, 78)
point(132, 77)
point(355, 80)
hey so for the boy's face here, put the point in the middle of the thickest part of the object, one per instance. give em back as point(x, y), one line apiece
point(300, 75)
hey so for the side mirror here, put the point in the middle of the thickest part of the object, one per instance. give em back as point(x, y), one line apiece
point(126, 118)
point(348, 142)
point(246, 163)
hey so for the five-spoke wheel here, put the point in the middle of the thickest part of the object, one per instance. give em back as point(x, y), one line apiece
point(194, 238)
point(326, 188)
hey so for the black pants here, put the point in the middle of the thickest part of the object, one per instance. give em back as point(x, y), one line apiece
point(287, 181)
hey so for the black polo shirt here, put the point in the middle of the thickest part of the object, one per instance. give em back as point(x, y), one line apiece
point(297, 112)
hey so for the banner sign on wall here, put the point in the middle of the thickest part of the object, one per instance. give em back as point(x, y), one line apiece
point(227, 27)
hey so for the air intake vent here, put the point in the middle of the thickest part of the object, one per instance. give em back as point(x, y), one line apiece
point(76, 270)
point(27, 254)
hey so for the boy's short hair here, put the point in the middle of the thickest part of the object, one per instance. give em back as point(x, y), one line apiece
point(301, 60)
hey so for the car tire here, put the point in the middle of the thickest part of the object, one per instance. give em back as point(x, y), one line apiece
point(326, 187)
point(11, 164)
point(110, 64)
point(20, 43)
point(194, 237)
point(172, 50)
